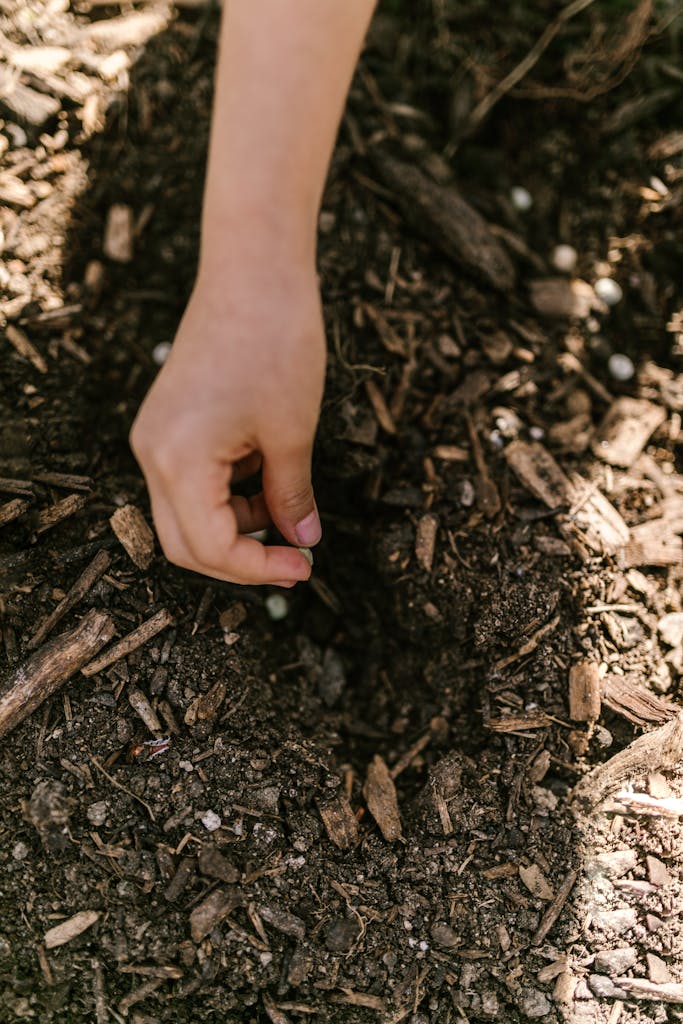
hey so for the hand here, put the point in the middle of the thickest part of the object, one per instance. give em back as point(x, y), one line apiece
point(241, 389)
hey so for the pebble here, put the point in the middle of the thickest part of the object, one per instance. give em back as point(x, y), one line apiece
point(277, 607)
point(97, 813)
point(536, 433)
point(161, 352)
point(467, 494)
point(618, 921)
point(615, 961)
point(534, 1004)
point(609, 290)
point(341, 934)
point(521, 198)
point(670, 629)
point(332, 679)
point(564, 258)
point(443, 935)
point(620, 366)
point(20, 851)
point(211, 821)
point(603, 986)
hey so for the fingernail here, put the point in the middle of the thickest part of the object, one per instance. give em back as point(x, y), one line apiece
point(309, 531)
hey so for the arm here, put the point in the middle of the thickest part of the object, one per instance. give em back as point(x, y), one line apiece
point(244, 380)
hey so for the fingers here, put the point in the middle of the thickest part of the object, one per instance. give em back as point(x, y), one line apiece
point(199, 530)
point(288, 493)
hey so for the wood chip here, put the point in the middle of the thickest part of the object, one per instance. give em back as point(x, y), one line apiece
point(20, 342)
point(211, 911)
point(13, 510)
point(57, 513)
point(625, 430)
point(139, 702)
point(340, 822)
point(633, 702)
point(127, 30)
point(536, 882)
point(118, 233)
point(50, 667)
point(380, 794)
point(441, 214)
point(555, 909)
point(639, 988)
point(651, 543)
point(584, 691)
point(85, 581)
point(451, 453)
point(70, 929)
point(643, 803)
point(26, 104)
point(519, 723)
point(213, 864)
point(425, 541)
point(538, 471)
point(273, 1011)
point(14, 192)
point(601, 527)
point(381, 410)
point(660, 749)
point(129, 643)
point(130, 527)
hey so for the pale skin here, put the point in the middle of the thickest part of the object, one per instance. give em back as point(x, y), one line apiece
point(243, 385)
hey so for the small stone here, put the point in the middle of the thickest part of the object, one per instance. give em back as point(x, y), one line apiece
point(277, 607)
point(657, 871)
point(521, 198)
point(618, 921)
point(603, 986)
point(161, 352)
point(615, 961)
point(443, 935)
point(653, 923)
point(332, 681)
point(211, 821)
point(564, 258)
point(603, 737)
point(213, 864)
point(534, 1004)
point(670, 629)
point(620, 366)
point(609, 290)
point(536, 433)
point(20, 851)
point(97, 813)
point(467, 493)
point(657, 971)
point(341, 934)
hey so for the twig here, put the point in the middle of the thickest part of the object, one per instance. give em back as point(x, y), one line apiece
point(486, 105)
point(85, 581)
point(119, 785)
point(129, 643)
point(554, 910)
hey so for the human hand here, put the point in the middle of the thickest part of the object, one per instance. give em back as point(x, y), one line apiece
point(241, 389)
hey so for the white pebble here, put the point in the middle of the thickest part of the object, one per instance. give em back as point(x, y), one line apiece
point(161, 352)
point(277, 606)
point(609, 290)
point(620, 366)
point(536, 433)
point(211, 821)
point(521, 198)
point(564, 258)
point(20, 851)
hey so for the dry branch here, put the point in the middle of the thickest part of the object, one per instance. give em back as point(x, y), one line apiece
point(51, 666)
point(85, 581)
point(129, 643)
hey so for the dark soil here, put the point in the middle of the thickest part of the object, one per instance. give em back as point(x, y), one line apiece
point(465, 661)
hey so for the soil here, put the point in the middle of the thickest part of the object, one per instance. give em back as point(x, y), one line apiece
point(264, 865)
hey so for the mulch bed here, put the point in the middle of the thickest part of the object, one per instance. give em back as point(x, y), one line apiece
point(440, 782)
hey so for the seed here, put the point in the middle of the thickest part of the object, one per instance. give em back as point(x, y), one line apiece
point(521, 199)
point(609, 290)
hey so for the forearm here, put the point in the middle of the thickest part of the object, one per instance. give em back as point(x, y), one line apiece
point(283, 73)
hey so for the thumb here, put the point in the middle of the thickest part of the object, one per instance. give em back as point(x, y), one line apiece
point(288, 492)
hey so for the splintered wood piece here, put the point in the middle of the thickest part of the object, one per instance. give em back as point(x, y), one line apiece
point(518, 723)
point(13, 510)
point(555, 909)
point(139, 702)
point(564, 297)
point(130, 526)
point(441, 214)
point(584, 691)
point(380, 407)
point(340, 822)
point(209, 703)
point(425, 541)
point(50, 667)
point(635, 703)
point(601, 526)
point(129, 643)
point(65, 931)
point(539, 473)
point(488, 498)
point(526, 648)
point(71, 481)
point(380, 794)
point(640, 988)
point(85, 581)
point(536, 882)
point(211, 911)
point(57, 513)
point(626, 429)
point(24, 488)
point(118, 234)
point(651, 543)
point(274, 1013)
point(642, 803)
point(662, 748)
point(20, 342)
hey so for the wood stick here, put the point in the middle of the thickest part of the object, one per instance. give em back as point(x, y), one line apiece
point(85, 581)
point(49, 517)
point(50, 667)
point(129, 643)
point(11, 510)
point(555, 909)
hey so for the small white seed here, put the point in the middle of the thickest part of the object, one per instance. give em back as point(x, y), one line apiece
point(620, 366)
point(521, 198)
point(277, 606)
point(564, 258)
point(609, 290)
point(161, 352)
point(308, 555)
